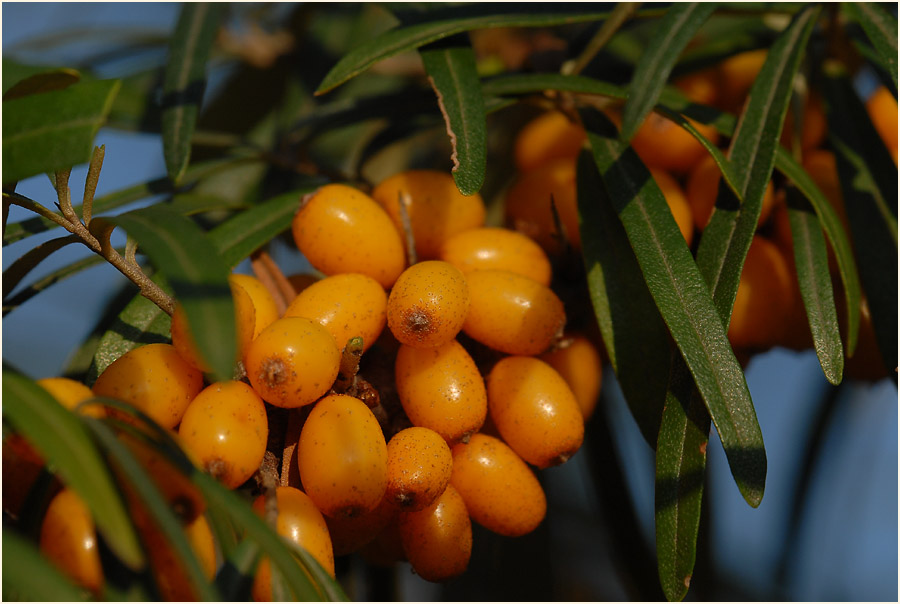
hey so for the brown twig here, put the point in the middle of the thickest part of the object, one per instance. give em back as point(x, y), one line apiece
point(267, 271)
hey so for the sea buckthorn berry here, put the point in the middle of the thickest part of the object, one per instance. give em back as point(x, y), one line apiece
point(677, 202)
point(428, 304)
point(70, 394)
point(529, 209)
point(437, 540)
point(342, 230)
point(436, 208)
point(763, 302)
point(535, 411)
point(549, 136)
point(419, 466)
point(736, 76)
point(171, 578)
point(342, 457)
point(244, 323)
point(69, 540)
point(501, 492)
point(815, 126)
point(663, 144)
point(264, 306)
point(293, 362)
point(155, 379)
point(21, 468)
point(497, 248)
point(225, 429)
point(703, 189)
point(700, 86)
point(882, 110)
point(512, 313)
point(578, 362)
point(441, 389)
point(302, 523)
point(347, 305)
point(351, 534)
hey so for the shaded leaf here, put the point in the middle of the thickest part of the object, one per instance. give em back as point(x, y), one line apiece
point(235, 578)
point(29, 575)
point(54, 277)
point(880, 28)
point(30, 259)
point(62, 440)
point(54, 130)
point(454, 77)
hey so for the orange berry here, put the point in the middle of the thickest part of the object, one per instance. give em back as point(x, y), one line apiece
point(677, 202)
point(529, 209)
point(700, 87)
point(436, 208)
point(497, 248)
point(535, 411)
point(155, 379)
point(736, 76)
point(293, 362)
point(882, 109)
point(512, 313)
point(342, 230)
point(264, 306)
point(172, 580)
point(549, 136)
point(441, 389)
point(347, 305)
point(815, 126)
point(703, 188)
point(21, 468)
point(342, 457)
point(70, 394)
point(351, 534)
point(428, 304)
point(226, 429)
point(419, 466)
point(300, 522)
point(69, 540)
point(663, 144)
point(578, 362)
point(501, 492)
point(437, 540)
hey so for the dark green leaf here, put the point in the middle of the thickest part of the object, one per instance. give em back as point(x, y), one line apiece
point(62, 440)
point(54, 130)
point(673, 33)
point(454, 78)
point(881, 29)
point(811, 260)
point(30, 259)
point(235, 578)
point(188, 204)
point(633, 332)
point(185, 81)
point(44, 282)
point(197, 274)
point(29, 576)
point(683, 300)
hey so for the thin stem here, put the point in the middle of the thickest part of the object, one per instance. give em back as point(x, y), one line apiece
point(90, 183)
point(622, 12)
point(64, 195)
point(29, 204)
point(267, 271)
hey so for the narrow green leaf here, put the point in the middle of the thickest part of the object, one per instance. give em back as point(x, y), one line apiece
point(28, 575)
point(235, 579)
point(43, 283)
point(60, 437)
point(189, 204)
point(454, 77)
point(45, 81)
point(185, 81)
point(683, 300)
point(54, 130)
point(197, 274)
point(673, 33)
point(881, 29)
point(24, 264)
point(633, 332)
point(811, 260)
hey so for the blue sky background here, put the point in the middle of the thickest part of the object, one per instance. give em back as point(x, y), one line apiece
point(846, 546)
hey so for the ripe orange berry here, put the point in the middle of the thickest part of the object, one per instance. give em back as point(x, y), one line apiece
point(342, 230)
point(264, 306)
point(299, 521)
point(882, 109)
point(700, 86)
point(293, 362)
point(497, 248)
point(419, 466)
point(428, 304)
point(815, 126)
point(512, 313)
point(172, 580)
point(549, 136)
point(535, 411)
point(70, 394)
point(578, 362)
point(225, 429)
point(347, 305)
point(342, 457)
point(677, 202)
point(441, 389)
point(529, 209)
point(69, 540)
point(501, 492)
point(155, 379)
point(437, 540)
point(436, 208)
point(351, 534)
point(763, 302)
point(736, 76)
point(703, 188)
point(663, 144)
point(21, 468)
